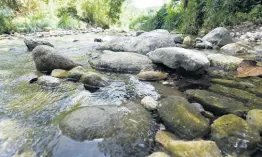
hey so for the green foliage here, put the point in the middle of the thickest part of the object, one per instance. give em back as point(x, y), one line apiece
point(68, 22)
point(6, 20)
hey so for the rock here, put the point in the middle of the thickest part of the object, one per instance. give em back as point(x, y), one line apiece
point(93, 81)
point(121, 130)
point(151, 76)
point(98, 40)
point(31, 44)
point(219, 36)
point(139, 32)
point(180, 148)
point(202, 82)
point(188, 41)
point(47, 59)
point(217, 104)
point(236, 48)
point(149, 103)
point(254, 119)
point(142, 44)
point(76, 73)
point(203, 44)
point(198, 107)
point(226, 62)
point(48, 81)
point(177, 39)
point(235, 136)
point(174, 57)
point(59, 73)
point(188, 126)
point(159, 154)
point(126, 62)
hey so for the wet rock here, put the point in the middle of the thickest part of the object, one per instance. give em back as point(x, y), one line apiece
point(200, 44)
point(47, 59)
point(31, 43)
point(59, 73)
point(159, 154)
point(229, 63)
point(48, 81)
point(254, 119)
point(93, 81)
point(125, 62)
point(98, 40)
point(188, 41)
point(174, 57)
point(188, 126)
point(76, 73)
point(233, 83)
point(143, 44)
point(149, 103)
point(178, 39)
point(180, 148)
point(151, 75)
point(193, 83)
point(198, 107)
point(235, 136)
point(236, 48)
point(139, 32)
point(217, 104)
point(219, 36)
point(123, 130)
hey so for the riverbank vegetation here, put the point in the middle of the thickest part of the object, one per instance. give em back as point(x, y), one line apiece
point(192, 16)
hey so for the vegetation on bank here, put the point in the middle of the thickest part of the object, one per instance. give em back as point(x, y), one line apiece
point(38, 15)
point(191, 16)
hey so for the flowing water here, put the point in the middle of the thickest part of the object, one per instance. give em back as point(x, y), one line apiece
point(29, 115)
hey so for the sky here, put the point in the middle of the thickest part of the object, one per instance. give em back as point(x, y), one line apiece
point(148, 3)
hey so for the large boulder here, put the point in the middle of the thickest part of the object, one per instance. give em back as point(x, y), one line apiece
point(219, 36)
point(182, 118)
point(226, 62)
point(126, 62)
point(47, 59)
point(174, 57)
point(121, 130)
point(217, 104)
point(31, 43)
point(143, 43)
point(235, 136)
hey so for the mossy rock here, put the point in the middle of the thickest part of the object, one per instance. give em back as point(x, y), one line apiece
point(254, 118)
point(76, 73)
point(59, 73)
point(235, 136)
point(217, 104)
point(181, 118)
point(251, 100)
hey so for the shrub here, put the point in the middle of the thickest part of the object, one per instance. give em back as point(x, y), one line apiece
point(6, 16)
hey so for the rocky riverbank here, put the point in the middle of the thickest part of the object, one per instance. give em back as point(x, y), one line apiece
point(178, 95)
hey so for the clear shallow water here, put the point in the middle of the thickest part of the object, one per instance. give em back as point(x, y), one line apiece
point(29, 115)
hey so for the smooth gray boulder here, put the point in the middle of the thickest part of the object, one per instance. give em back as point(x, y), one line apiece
point(122, 130)
point(126, 62)
point(175, 57)
point(219, 37)
point(47, 59)
point(184, 120)
point(93, 80)
point(142, 44)
point(48, 81)
point(31, 43)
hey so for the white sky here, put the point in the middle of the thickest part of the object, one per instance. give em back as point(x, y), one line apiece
point(148, 3)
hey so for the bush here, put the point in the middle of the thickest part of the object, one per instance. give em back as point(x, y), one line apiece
point(6, 16)
point(68, 22)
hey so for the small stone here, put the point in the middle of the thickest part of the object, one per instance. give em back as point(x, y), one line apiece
point(48, 81)
point(151, 75)
point(165, 83)
point(188, 41)
point(59, 73)
point(76, 73)
point(149, 103)
point(92, 80)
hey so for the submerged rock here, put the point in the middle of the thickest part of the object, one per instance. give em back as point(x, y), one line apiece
point(182, 119)
point(59, 73)
point(76, 73)
point(47, 59)
point(174, 57)
point(31, 44)
point(219, 37)
point(234, 136)
point(149, 103)
point(143, 43)
point(93, 81)
point(151, 75)
point(254, 118)
point(217, 104)
point(224, 61)
point(124, 130)
point(125, 62)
